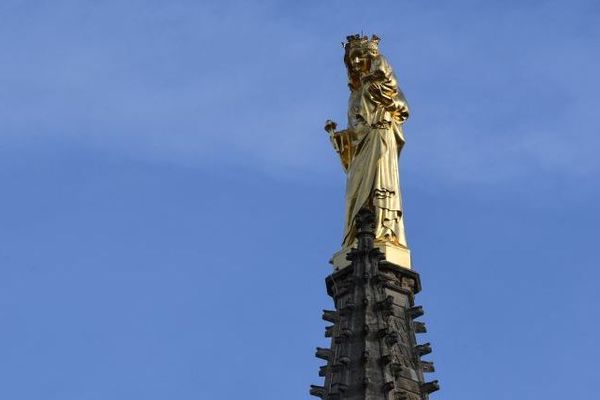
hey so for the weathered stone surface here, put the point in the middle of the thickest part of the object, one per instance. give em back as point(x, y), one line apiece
point(374, 352)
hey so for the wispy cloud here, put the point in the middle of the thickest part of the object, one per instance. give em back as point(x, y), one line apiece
point(496, 92)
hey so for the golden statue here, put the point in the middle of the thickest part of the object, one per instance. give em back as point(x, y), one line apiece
point(370, 147)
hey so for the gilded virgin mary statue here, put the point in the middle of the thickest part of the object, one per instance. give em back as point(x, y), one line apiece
point(369, 148)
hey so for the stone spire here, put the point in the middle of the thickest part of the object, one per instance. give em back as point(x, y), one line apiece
point(374, 352)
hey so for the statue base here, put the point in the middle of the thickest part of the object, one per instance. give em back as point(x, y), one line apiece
point(394, 254)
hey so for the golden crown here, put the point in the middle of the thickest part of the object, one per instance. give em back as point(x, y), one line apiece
point(358, 41)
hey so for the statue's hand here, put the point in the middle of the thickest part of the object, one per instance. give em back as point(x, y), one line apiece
point(330, 126)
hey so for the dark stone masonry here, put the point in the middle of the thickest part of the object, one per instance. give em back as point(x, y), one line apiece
point(374, 350)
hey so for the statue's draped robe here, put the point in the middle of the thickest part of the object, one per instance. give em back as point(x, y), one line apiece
point(370, 151)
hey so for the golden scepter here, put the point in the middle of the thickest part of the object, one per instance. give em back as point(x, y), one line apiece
point(330, 128)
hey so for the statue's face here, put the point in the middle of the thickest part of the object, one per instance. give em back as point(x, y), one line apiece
point(359, 61)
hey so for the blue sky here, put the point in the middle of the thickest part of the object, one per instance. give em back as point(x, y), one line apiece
point(170, 201)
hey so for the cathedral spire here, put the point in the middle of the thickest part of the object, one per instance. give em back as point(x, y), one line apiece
point(374, 351)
